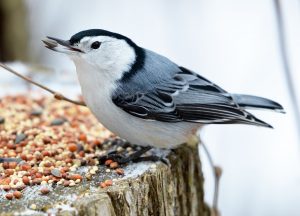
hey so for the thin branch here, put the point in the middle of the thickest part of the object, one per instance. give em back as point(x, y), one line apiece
point(285, 61)
point(217, 176)
point(56, 95)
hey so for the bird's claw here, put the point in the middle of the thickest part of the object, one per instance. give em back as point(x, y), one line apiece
point(152, 158)
point(121, 159)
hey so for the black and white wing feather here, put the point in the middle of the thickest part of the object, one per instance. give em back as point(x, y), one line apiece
point(186, 97)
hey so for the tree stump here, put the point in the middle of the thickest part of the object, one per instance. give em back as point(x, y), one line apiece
point(147, 188)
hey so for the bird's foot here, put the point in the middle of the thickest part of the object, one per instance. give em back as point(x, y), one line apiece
point(152, 158)
point(135, 157)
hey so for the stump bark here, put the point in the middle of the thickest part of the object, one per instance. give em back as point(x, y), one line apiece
point(147, 188)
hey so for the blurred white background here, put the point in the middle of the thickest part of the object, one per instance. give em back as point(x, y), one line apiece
point(233, 43)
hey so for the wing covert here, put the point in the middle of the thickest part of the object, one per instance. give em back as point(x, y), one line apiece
point(186, 97)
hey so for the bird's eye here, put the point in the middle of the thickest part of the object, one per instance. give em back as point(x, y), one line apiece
point(95, 45)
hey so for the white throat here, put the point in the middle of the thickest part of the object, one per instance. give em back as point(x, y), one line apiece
point(110, 61)
point(98, 72)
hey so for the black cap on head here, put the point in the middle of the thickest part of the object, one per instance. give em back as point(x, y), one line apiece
point(98, 32)
point(140, 55)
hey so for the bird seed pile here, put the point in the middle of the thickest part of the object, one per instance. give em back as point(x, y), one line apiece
point(51, 140)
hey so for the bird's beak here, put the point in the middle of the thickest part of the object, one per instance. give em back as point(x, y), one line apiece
point(58, 45)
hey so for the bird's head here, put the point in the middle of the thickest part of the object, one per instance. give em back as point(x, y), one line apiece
point(104, 51)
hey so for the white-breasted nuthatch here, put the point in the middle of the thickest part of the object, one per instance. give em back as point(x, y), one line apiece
point(146, 98)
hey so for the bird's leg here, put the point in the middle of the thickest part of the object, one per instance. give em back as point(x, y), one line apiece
point(152, 158)
point(135, 157)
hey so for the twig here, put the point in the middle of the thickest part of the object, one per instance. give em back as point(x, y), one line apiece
point(56, 95)
point(217, 176)
point(285, 61)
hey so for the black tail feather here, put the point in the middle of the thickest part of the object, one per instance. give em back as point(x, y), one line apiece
point(254, 102)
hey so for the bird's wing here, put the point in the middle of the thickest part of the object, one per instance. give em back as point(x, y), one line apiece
point(186, 97)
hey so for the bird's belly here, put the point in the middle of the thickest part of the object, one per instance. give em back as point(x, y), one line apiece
point(139, 131)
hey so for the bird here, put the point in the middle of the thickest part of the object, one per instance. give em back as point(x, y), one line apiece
point(147, 99)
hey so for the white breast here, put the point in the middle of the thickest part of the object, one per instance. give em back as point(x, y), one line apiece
point(97, 90)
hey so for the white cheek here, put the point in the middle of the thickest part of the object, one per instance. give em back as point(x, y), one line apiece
point(112, 59)
point(104, 66)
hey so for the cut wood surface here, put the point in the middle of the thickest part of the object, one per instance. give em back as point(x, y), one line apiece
point(147, 188)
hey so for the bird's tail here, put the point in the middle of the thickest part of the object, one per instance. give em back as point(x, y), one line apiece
point(254, 102)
